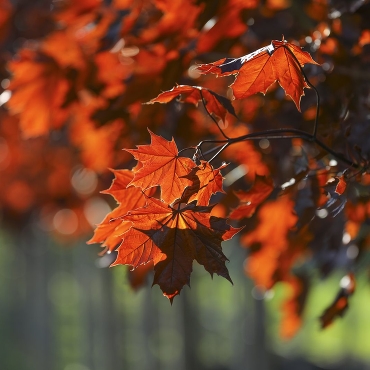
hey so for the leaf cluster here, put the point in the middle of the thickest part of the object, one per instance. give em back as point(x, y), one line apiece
point(278, 144)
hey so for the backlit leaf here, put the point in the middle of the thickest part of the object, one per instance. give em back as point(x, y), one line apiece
point(257, 71)
point(109, 231)
point(250, 199)
point(214, 103)
point(162, 166)
point(174, 238)
point(269, 240)
point(38, 93)
point(206, 181)
point(340, 303)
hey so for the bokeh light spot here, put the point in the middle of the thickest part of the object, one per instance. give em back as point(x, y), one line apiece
point(95, 209)
point(65, 221)
point(84, 181)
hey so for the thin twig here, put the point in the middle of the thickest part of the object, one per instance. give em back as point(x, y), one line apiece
point(221, 150)
point(290, 133)
point(188, 148)
point(280, 133)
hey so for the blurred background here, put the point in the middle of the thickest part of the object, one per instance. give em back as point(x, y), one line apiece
point(61, 309)
point(73, 80)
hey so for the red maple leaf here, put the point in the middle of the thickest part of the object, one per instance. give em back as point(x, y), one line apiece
point(229, 24)
point(214, 103)
point(63, 47)
point(292, 307)
point(340, 303)
point(161, 165)
point(206, 181)
point(173, 238)
point(38, 93)
point(87, 137)
point(178, 18)
point(250, 199)
point(269, 240)
point(109, 231)
point(280, 61)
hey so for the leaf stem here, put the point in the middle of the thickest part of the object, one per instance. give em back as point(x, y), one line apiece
point(280, 133)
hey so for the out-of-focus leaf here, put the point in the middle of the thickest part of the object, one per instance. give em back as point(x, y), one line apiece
point(340, 304)
point(252, 198)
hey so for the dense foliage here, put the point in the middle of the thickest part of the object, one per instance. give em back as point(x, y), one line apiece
point(288, 170)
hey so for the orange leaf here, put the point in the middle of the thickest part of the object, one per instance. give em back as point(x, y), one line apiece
point(257, 71)
point(173, 238)
point(38, 93)
point(64, 49)
point(214, 103)
point(178, 17)
point(87, 137)
point(206, 181)
point(162, 166)
point(118, 188)
point(252, 198)
point(112, 73)
point(270, 238)
point(245, 154)
point(229, 24)
point(70, 11)
point(293, 306)
point(364, 38)
point(109, 231)
point(341, 186)
point(340, 303)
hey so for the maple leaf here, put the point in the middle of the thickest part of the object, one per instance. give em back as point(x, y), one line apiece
point(340, 303)
point(162, 166)
point(252, 198)
point(214, 103)
point(275, 248)
point(270, 240)
point(178, 19)
point(257, 71)
point(229, 24)
point(293, 306)
point(64, 49)
point(206, 181)
point(38, 93)
point(87, 138)
point(107, 62)
point(69, 12)
point(173, 238)
point(110, 230)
